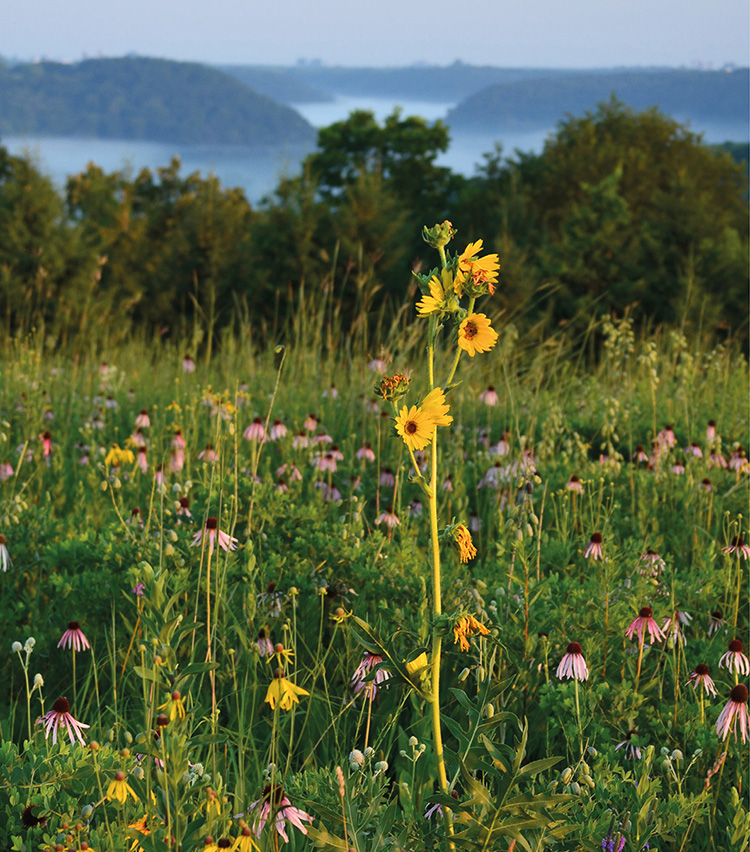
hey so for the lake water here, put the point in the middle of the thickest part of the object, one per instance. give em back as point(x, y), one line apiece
point(257, 170)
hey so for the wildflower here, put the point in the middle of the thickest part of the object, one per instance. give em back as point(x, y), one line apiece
point(415, 508)
point(387, 479)
point(694, 450)
point(632, 749)
point(281, 653)
point(278, 431)
point(716, 459)
point(672, 628)
point(59, 717)
point(138, 589)
point(377, 365)
point(573, 664)
point(436, 301)
point(475, 334)
point(142, 421)
point(244, 842)
point(274, 802)
point(389, 518)
point(5, 561)
point(735, 659)
point(462, 538)
point(209, 454)
point(322, 438)
point(263, 643)
point(643, 622)
point(212, 532)
point(652, 563)
point(331, 392)
point(311, 423)
point(74, 638)
point(700, 676)
point(489, 396)
point(255, 431)
point(174, 706)
point(667, 437)
point(325, 462)
point(717, 622)
point(447, 484)
point(705, 485)
point(6, 471)
point(639, 456)
point(116, 456)
point(678, 468)
point(365, 453)
point(467, 626)
point(574, 485)
point(183, 507)
point(362, 683)
point(711, 432)
point(137, 439)
point(476, 273)
point(46, 439)
point(300, 441)
point(614, 843)
point(738, 461)
point(737, 546)
point(142, 460)
point(291, 471)
point(475, 522)
point(272, 599)
point(119, 789)
point(734, 713)
point(283, 692)
point(188, 365)
point(594, 547)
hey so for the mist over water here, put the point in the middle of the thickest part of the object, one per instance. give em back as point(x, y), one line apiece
point(258, 169)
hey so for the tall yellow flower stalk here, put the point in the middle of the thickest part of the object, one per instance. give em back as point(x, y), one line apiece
point(462, 277)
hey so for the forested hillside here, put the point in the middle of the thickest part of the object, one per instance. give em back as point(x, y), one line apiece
point(135, 98)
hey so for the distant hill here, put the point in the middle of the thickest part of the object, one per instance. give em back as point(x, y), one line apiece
point(279, 84)
point(706, 96)
point(139, 98)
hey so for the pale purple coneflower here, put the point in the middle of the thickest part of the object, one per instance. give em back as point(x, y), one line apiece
point(387, 479)
point(6, 471)
point(371, 407)
point(502, 448)
point(290, 471)
point(255, 431)
point(264, 644)
point(272, 599)
point(322, 438)
point(594, 547)
point(678, 468)
point(475, 523)
point(574, 485)
point(365, 453)
point(360, 683)
point(300, 441)
point(632, 750)
point(74, 638)
point(182, 507)
point(135, 518)
point(738, 547)
point(138, 439)
point(734, 714)
point(336, 452)
point(142, 460)
point(700, 676)
point(111, 403)
point(694, 450)
point(489, 396)
point(159, 475)
point(415, 508)
point(672, 628)
point(209, 454)
point(377, 365)
point(278, 431)
point(177, 460)
point(331, 392)
point(274, 802)
point(705, 485)
point(642, 623)
point(666, 437)
point(640, 456)
point(717, 622)
point(46, 439)
point(484, 438)
point(5, 560)
point(59, 717)
point(735, 660)
point(491, 479)
point(311, 423)
point(389, 518)
point(716, 459)
point(178, 440)
point(212, 532)
point(188, 365)
point(281, 487)
point(447, 484)
point(324, 462)
point(738, 461)
point(142, 420)
point(652, 563)
point(711, 432)
point(330, 492)
point(573, 665)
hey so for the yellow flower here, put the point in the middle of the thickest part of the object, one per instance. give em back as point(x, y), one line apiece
point(283, 692)
point(466, 626)
point(117, 456)
point(281, 654)
point(418, 664)
point(466, 549)
point(174, 706)
point(475, 334)
point(416, 425)
point(119, 789)
point(432, 304)
point(245, 842)
point(483, 270)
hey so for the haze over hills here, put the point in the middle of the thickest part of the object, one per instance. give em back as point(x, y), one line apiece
point(139, 98)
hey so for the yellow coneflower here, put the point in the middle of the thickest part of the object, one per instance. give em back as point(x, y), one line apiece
point(475, 334)
point(116, 456)
point(119, 789)
point(245, 842)
point(283, 692)
point(281, 654)
point(467, 626)
point(466, 549)
point(174, 706)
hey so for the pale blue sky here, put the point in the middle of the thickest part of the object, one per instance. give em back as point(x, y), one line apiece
point(542, 33)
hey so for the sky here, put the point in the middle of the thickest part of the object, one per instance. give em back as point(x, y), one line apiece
point(529, 33)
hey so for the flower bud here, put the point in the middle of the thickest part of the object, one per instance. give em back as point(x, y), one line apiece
point(16, 647)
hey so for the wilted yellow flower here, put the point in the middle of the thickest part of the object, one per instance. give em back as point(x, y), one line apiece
point(421, 662)
point(435, 406)
point(475, 334)
point(283, 692)
point(119, 789)
point(467, 626)
point(116, 456)
point(466, 549)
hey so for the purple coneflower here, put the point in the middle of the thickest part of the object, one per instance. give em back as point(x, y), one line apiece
point(325, 462)
point(322, 438)
point(734, 713)
point(209, 454)
point(694, 450)
point(389, 518)
point(142, 421)
point(183, 507)
point(594, 547)
point(255, 431)
point(331, 392)
point(574, 485)
point(573, 664)
point(178, 440)
point(666, 437)
point(213, 533)
point(311, 423)
point(74, 638)
point(188, 365)
point(632, 750)
point(489, 396)
point(711, 432)
point(377, 365)
point(716, 459)
point(643, 622)
point(300, 441)
point(278, 431)
point(735, 660)
point(640, 456)
point(142, 460)
point(717, 622)
point(5, 561)
point(264, 644)
point(447, 484)
point(700, 676)
point(678, 468)
point(59, 717)
point(705, 485)
point(365, 453)
point(369, 687)
point(653, 564)
point(274, 801)
point(737, 546)
point(387, 479)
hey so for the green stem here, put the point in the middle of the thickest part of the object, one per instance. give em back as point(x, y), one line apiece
point(458, 349)
point(578, 717)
